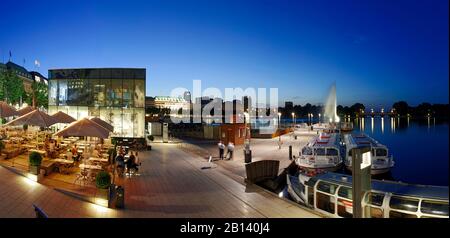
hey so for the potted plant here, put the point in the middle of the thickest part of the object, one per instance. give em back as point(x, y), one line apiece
point(25, 127)
point(35, 160)
point(103, 184)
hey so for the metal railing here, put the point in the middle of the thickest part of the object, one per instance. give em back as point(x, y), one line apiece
point(39, 212)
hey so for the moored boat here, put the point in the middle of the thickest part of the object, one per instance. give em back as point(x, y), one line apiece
point(381, 161)
point(321, 153)
point(331, 195)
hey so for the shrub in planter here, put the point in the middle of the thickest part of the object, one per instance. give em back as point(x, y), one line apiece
point(103, 183)
point(25, 127)
point(103, 180)
point(35, 160)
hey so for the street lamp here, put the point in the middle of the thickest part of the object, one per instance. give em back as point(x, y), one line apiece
point(319, 118)
point(279, 135)
point(293, 118)
point(279, 116)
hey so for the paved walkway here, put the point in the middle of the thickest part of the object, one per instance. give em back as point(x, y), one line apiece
point(19, 193)
point(262, 149)
point(171, 183)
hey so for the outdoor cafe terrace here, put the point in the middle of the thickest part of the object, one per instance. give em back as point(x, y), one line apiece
point(72, 156)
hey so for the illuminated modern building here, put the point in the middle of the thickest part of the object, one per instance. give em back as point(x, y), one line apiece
point(116, 95)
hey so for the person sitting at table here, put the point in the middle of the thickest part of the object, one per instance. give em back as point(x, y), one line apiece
point(95, 153)
point(75, 154)
point(121, 151)
point(120, 164)
point(51, 145)
point(130, 162)
point(136, 160)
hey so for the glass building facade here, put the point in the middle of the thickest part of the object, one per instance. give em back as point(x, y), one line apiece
point(116, 95)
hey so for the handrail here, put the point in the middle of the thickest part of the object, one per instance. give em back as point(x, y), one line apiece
point(39, 212)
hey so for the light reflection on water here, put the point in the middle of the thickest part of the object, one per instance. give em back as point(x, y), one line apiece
point(420, 148)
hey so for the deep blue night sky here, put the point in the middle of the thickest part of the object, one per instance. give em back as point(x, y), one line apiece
point(377, 51)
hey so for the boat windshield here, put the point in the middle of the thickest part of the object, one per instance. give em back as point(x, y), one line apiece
point(381, 152)
point(332, 151)
point(306, 151)
point(406, 204)
point(434, 207)
point(319, 151)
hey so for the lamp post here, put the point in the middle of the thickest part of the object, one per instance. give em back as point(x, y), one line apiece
point(246, 115)
point(319, 119)
point(279, 136)
point(293, 118)
point(279, 116)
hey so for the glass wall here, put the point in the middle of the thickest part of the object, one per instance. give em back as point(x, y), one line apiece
point(115, 95)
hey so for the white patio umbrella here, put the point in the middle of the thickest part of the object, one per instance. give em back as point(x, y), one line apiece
point(34, 118)
point(84, 127)
point(62, 117)
point(7, 110)
point(25, 110)
point(103, 123)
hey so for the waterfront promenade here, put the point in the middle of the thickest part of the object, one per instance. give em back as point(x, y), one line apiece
point(171, 183)
point(262, 149)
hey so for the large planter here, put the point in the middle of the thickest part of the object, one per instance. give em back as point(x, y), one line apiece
point(103, 183)
point(102, 197)
point(35, 169)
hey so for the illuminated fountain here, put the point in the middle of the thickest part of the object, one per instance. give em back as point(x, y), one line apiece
point(330, 114)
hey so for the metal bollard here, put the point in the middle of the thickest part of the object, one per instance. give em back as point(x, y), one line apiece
point(248, 156)
point(120, 197)
point(290, 152)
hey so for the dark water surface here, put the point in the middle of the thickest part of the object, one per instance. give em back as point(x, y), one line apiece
point(420, 148)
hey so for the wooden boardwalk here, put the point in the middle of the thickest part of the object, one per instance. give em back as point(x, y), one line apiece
point(171, 183)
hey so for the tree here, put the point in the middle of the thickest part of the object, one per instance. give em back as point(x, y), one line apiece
point(11, 87)
point(401, 108)
point(357, 108)
point(2, 85)
point(422, 109)
point(39, 95)
point(340, 110)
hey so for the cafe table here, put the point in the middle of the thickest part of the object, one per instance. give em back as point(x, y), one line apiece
point(96, 159)
point(42, 152)
point(89, 166)
point(63, 161)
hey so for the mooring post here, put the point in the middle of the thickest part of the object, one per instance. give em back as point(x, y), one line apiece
point(361, 181)
point(290, 152)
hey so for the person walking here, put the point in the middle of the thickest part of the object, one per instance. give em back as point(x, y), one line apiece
point(230, 149)
point(221, 149)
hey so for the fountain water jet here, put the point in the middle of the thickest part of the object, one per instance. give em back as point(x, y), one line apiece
point(330, 106)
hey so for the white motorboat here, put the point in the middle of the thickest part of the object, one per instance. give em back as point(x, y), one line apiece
point(381, 161)
point(321, 153)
